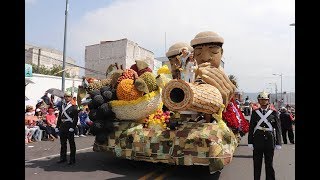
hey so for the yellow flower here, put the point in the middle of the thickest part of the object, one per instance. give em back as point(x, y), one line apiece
point(164, 70)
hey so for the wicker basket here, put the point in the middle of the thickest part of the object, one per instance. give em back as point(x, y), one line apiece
point(179, 95)
point(137, 109)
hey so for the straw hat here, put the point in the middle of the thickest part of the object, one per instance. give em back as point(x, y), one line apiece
point(176, 48)
point(206, 37)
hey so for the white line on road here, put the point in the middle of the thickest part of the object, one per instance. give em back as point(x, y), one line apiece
point(55, 155)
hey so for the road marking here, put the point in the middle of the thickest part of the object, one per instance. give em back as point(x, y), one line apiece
point(166, 173)
point(55, 155)
point(149, 175)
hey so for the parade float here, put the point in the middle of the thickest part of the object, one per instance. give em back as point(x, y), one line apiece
point(142, 116)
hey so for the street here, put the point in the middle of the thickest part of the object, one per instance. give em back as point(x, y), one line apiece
point(41, 157)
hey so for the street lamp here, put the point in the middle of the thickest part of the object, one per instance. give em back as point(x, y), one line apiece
point(276, 89)
point(64, 47)
point(281, 82)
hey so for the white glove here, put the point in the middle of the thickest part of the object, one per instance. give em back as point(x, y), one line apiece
point(56, 129)
point(250, 146)
point(71, 129)
point(278, 147)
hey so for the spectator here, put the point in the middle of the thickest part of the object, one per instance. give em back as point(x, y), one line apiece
point(82, 125)
point(52, 101)
point(31, 129)
point(41, 122)
point(42, 106)
point(51, 124)
point(286, 126)
point(74, 101)
point(46, 99)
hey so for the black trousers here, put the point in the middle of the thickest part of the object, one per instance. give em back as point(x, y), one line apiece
point(258, 154)
point(286, 131)
point(64, 136)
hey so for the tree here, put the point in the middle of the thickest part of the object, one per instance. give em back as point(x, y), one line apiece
point(49, 71)
point(234, 80)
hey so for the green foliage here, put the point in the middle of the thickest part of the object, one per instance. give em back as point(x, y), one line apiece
point(52, 71)
point(233, 79)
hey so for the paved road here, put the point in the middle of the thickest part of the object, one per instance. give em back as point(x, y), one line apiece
point(41, 164)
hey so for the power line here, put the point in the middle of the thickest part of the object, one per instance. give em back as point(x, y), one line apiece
point(88, 69)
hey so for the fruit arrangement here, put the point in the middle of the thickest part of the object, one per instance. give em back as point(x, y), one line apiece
point(150, 80)
point(126, 95)
point(141, 67)
point(127, 91)
point(158, 120)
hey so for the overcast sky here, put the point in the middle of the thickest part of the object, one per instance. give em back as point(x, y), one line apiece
point(258, 39)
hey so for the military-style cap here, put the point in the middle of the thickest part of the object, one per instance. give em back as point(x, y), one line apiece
point(263, 95)
point(176, 48)
point(206, 37)
point(67, 93)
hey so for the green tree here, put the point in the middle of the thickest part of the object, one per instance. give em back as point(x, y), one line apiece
point(49, 71)
point(233, 79)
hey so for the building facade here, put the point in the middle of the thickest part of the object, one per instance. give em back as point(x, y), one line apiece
point(124, 52)
point(49, 57)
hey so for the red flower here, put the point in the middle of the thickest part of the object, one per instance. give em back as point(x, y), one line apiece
point(229, 116)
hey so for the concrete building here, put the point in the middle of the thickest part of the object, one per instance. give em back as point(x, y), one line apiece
point(48, 57)
point(99, 56)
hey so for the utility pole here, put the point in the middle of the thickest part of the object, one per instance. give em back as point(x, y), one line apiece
point(39, 53)
point(165, 42)
point(64, 47)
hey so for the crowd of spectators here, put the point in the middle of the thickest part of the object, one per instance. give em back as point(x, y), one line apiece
point(41, 121)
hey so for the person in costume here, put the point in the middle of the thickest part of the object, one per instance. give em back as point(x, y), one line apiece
point(67, 122)
point(174, 55)
point(264, 136)
point(190, 67)
point(208, 52)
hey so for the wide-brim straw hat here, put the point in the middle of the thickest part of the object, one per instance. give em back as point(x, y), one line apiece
point(206, 37)
point(175, 49)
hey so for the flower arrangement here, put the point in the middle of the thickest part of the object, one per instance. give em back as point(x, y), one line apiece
point(164, 70)
point(235, 119)
point(158, 120)
point(229, 116)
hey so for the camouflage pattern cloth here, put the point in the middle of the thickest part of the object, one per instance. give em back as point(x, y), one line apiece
point(206, 144)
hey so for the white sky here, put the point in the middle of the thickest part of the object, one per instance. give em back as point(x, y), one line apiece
point(258, 38)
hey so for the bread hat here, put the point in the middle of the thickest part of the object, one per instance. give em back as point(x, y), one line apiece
point(175, 49)
point(206, 37)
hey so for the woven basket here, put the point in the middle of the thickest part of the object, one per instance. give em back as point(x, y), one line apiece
point(137, 109)
point(179, 95)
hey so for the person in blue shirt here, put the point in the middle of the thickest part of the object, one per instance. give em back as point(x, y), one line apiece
point(82, 125)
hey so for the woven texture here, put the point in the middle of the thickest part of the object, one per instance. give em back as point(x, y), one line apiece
point(197, 97)
point(137, 109)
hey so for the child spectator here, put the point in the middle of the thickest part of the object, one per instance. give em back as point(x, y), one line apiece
point(51, 124)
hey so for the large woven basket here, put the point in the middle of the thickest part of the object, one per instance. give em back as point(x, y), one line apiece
point(137, 109)
point(179, 95)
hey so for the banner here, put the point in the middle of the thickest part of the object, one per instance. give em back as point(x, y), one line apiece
point(28, 70)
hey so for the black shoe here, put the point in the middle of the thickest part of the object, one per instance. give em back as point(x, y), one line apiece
point(292, 142)
point(62, 161)
point(71, 162)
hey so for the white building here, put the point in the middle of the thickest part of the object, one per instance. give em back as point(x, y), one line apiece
point(41, 83)
point(99, 56)
point(48, 57)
